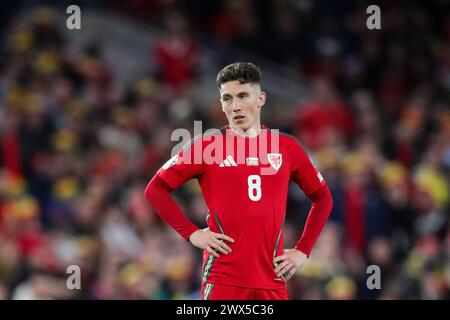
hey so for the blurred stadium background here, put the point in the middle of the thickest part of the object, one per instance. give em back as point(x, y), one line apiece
point(86, 117)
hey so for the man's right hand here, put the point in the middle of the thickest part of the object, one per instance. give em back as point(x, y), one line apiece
point(211, 241)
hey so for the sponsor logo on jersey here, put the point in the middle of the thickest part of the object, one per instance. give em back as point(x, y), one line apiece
point(170, 162)
point(228, 162)
point(275, 160)
point(252, 161)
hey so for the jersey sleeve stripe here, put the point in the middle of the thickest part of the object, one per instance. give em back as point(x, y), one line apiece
point(278, 241)
point(218, 222)
point(210, 260)
point(208, 266)
point(276, 249)
point(207, 290)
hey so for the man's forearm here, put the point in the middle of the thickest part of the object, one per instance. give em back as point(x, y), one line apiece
point(321, 206)
point(158, 194)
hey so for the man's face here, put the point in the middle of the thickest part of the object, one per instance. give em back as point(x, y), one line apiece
point(242, 103)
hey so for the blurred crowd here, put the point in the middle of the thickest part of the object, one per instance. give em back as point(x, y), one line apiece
point(78, 148)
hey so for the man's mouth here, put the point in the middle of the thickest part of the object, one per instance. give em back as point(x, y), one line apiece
point(238, 117)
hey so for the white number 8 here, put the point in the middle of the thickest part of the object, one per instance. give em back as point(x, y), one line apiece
point(254, 183)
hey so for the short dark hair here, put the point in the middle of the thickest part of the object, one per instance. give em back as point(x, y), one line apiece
point(244, 72)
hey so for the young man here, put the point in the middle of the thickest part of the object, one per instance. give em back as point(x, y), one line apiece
point(245, 189)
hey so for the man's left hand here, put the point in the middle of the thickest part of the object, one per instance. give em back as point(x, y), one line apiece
point(289, 262)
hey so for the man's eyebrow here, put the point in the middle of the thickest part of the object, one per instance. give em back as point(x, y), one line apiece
point(238, 94)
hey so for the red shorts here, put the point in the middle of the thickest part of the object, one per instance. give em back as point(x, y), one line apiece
point(211, 291)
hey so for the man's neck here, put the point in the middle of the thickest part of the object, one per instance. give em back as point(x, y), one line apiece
point(251, 132)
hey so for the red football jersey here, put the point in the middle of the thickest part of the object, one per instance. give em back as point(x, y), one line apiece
point(244, 182)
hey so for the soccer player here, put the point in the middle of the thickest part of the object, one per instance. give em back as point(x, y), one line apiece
point(245, 189)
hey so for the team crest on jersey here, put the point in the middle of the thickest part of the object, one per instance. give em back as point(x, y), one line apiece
point(275, 160)
point(170, 162)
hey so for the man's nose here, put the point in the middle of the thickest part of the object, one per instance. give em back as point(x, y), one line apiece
point(236, 106)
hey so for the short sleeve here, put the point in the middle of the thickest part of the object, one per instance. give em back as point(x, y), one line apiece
point(185, 165)
point(304, 172)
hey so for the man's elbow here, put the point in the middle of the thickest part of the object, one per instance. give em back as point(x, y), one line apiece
point(156, 189)
point(323, 198)
point(148, 192)
point(151, 191)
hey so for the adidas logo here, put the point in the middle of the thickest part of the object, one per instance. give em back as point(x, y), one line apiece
point(228, 162)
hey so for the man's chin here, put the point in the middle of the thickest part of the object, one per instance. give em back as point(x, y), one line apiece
point(242, 127)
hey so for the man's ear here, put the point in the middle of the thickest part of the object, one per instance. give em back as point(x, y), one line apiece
point(220, 98)
point(261, 99)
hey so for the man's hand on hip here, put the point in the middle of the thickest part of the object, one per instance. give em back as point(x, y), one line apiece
point(211, 241)
point(289, 262)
